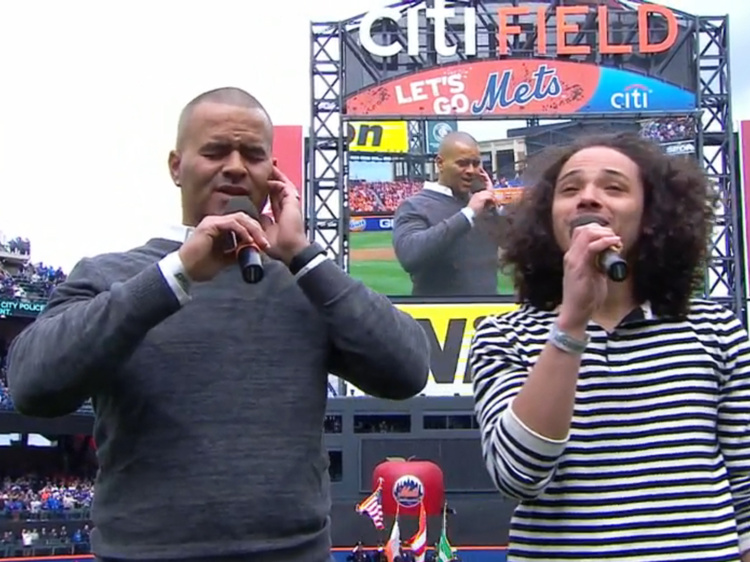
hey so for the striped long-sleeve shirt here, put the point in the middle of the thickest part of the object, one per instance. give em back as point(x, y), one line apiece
point(656, 466)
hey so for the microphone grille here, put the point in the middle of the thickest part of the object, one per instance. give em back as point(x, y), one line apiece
point(241, 204)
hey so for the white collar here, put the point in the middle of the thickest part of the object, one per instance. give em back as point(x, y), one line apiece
point(177, 233)
point(648, 312)
point(436, 187)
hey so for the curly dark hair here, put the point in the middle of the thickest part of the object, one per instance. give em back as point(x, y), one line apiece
point(670, 256)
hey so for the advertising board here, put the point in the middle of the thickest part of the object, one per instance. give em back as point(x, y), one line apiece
point(20, 307)
point(384, 137)
point(520, 87)
point(679, 148)
point(449, 329)
point(288, 149)
point(506, 20)
point(370, 224)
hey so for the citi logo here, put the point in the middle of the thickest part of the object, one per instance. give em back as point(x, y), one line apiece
point(635, 96)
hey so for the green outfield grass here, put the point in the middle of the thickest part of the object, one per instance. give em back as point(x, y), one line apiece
point(381, 272)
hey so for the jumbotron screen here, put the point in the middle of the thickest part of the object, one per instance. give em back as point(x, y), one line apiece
point(378, 186)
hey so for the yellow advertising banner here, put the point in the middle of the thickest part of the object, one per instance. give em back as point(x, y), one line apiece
point(449, 329)
point(386, 137)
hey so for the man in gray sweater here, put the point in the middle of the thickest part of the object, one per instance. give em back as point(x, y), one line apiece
point(210, 393)
point(447, 236)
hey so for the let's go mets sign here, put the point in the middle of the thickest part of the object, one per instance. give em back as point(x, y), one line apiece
point(519, 87)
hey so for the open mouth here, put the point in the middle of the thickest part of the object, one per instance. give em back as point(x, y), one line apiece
point(233, 190)
point(581, 220)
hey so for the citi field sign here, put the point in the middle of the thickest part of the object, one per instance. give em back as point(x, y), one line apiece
point(518, 87)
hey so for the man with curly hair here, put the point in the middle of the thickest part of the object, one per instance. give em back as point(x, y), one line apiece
point(618, 414)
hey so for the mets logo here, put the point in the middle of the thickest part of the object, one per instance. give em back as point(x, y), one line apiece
point(440, 130)
point(408, 491)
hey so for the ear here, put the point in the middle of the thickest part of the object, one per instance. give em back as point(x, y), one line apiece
point(174, 166)
point(439, 162)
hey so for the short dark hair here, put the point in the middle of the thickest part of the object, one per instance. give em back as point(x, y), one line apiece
point(227, 95)
point(671, 252)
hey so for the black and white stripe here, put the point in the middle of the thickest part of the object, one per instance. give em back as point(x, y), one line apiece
point(657, 464)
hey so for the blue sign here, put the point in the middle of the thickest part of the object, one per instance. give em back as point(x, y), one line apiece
point(20, 307)
point(628, 92)
point(434, 133)
point(370, 224)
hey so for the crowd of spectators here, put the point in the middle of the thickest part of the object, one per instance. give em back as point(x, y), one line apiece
point(669, 129)
point(45, 541)
point(49, 514)
point(379, 197)
point(5, 402)
point(384, 197)
point(502, 182)
point(42, 498)
point(19, 246)
point(31, 281)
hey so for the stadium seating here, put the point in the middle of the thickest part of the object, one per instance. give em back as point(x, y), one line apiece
point(670, 129)
point(20, 279)
point(19, 246)
point(380, 197)
point(384, 197)
point(53, 514)
point(30, 281)
point(53, 540)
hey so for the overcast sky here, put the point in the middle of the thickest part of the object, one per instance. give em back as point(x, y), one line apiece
point(91, 93)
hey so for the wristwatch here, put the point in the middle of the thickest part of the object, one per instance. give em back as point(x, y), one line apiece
point(566, 342)
point(304, 257)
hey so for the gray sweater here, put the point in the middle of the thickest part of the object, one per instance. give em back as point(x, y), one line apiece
point(209, 416)
point(445, 256)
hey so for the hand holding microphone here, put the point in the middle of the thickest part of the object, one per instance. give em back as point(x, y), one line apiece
point(482, 198)
point(246, 252)
point(609, 261)
point(214, 243)
point(482, 202)
point(241, 234)
point(584, 276)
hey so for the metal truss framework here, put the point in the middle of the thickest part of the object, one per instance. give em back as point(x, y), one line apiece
point(328, 208)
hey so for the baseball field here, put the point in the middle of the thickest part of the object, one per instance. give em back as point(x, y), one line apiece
point(372, 261)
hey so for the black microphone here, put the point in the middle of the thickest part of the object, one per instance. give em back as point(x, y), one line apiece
point(477, 185)
point(609, 261)
point(248, 255)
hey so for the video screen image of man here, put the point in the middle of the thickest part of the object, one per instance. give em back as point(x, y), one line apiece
point(447, 237)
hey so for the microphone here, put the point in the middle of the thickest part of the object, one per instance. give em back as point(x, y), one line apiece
point(609, 261)
point(248, 255)
point(477, 185)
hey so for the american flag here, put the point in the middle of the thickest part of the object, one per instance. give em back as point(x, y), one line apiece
point(373, 507)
